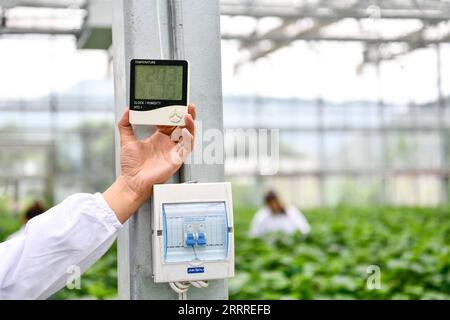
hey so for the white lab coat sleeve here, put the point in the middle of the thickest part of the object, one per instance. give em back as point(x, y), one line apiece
point(56, 244)
point(300, 220)
point(257, 227)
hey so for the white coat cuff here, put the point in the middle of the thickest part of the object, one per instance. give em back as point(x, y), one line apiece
point(109, 216)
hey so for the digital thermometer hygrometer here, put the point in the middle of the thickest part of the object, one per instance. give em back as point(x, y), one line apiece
point(159, 92)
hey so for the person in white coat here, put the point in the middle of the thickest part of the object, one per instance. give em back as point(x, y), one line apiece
point(274, 217)
point(79, 230)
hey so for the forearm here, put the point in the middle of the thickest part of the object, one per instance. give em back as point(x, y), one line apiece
point(122, 199)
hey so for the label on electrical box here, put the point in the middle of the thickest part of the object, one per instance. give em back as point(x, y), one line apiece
point(196, 270)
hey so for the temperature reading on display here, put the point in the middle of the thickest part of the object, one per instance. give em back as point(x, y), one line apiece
point(158, 82)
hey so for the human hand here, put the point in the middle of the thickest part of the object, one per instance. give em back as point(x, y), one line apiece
point(144, 163)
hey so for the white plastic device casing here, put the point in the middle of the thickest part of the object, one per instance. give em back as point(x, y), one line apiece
point(165, 116)
point(186, 195)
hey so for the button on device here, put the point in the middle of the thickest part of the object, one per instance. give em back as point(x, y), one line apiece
point(175, 117)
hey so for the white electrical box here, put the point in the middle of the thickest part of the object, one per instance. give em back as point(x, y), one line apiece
point(192, 232)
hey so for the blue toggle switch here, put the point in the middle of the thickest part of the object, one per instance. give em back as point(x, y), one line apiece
point(190, 241)
point(201, 241)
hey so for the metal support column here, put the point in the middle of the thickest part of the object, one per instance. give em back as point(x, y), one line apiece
point(384, 197)
point(320, 114)
point(189, 30)
point(441, 125)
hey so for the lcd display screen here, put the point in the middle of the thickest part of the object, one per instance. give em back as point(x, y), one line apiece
point(158, 82)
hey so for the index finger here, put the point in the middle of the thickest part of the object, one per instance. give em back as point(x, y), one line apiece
point(190, 124)
point(192, 111)
point(125, 128)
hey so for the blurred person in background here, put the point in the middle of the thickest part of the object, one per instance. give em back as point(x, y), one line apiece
point(32, 211)
point(275, 217)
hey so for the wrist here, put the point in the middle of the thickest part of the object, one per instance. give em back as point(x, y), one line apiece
point(122, 199)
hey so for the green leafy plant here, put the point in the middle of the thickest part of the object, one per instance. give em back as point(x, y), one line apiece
point(409, 245)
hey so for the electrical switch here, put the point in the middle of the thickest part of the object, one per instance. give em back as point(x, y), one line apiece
point(192, 232)
point(190, 240)
point(201, 241)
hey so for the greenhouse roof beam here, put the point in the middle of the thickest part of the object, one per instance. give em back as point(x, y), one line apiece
point(318, 37)
point(282, 28)
point(290, 12)
point(258, 50)
point(42, 4)
point(414, 40)
point(43, 31)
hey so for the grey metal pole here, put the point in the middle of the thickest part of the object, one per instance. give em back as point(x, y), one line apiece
point(198, 28)
point(441, 105)
point(189, 30)
point(384, 198)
